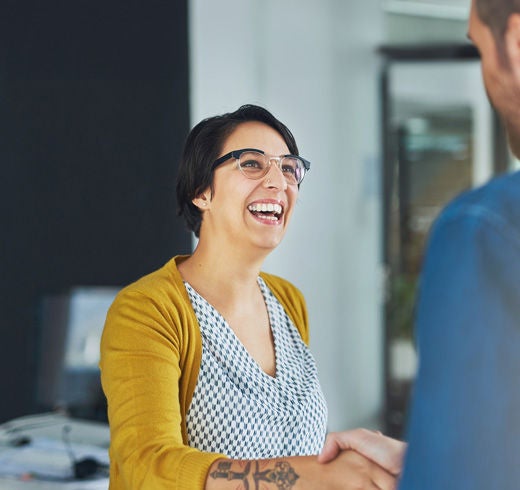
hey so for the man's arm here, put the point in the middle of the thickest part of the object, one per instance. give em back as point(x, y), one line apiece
point(464, 429)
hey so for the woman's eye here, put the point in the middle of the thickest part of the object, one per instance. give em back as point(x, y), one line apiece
point(289, 169)
point(251, 164)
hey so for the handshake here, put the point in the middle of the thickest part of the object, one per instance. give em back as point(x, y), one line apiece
point(374, 461)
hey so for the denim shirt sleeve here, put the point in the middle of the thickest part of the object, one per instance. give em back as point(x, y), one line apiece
point(464, 425)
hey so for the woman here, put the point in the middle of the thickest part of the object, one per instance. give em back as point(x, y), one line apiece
point(205, 366)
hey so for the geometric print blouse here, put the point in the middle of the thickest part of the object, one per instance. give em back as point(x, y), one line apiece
point(239, 410)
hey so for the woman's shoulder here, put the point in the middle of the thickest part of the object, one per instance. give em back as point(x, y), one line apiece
point(159, 279)
point(163, 286)
point(291, 299)
point(156, 305)
point(280, 285)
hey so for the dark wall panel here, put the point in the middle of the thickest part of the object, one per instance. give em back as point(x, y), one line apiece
point(93, 114)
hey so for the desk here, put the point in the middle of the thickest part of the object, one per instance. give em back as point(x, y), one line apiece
point(48, 446)
point(11, 484)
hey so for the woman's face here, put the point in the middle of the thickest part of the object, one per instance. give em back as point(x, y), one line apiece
point(232, 217)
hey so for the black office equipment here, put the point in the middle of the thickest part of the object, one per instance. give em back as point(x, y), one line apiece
point(68, 372)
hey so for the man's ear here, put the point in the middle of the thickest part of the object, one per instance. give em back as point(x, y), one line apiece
point(202, 201)
point(512, 43)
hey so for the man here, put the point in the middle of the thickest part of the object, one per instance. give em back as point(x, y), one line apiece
point(464, 431)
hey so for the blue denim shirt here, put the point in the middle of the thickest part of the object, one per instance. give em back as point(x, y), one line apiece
point(464, 426)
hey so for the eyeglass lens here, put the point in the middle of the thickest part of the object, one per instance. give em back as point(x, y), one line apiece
point(255, 165)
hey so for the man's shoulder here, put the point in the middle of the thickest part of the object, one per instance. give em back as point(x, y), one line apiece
point(498, 200)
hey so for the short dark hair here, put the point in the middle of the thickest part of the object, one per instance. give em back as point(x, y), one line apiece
point(204, 145)
point(494, 13)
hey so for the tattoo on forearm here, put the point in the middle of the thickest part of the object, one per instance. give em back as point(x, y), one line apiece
point(282, 475)
point(224, 471)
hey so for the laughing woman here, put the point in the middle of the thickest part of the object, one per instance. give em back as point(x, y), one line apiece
point(205, 365)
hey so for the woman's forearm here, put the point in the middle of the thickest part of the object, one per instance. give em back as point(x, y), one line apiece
point(349, 470)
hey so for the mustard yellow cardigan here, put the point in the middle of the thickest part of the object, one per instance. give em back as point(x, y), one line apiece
point(150, 357)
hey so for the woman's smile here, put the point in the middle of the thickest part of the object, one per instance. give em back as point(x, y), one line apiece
point(267, 211)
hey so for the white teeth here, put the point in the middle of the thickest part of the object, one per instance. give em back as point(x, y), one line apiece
point(266, 208)
point(267, 217)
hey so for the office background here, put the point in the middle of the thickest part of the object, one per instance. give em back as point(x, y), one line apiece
point(96, 99)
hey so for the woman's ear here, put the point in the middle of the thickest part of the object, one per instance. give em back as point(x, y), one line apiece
point(202, 201)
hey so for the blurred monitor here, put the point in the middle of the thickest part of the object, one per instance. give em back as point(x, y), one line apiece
point(71, 325)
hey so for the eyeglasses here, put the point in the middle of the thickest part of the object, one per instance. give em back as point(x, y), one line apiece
point(255, 164)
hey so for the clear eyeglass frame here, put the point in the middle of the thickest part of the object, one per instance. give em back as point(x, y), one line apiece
point(255, 164)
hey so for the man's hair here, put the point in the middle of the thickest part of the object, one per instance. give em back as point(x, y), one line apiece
point(204, 145)
point(494, 13)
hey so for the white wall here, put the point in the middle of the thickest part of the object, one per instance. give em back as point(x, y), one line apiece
point(313, 64)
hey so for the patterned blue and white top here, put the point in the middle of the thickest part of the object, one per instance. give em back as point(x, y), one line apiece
point(239, 410)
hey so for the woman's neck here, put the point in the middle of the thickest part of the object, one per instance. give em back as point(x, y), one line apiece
point(224, 275)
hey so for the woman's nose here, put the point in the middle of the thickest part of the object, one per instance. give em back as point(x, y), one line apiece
point(274, 176)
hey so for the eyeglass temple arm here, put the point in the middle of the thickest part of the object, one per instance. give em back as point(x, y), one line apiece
point(234, 154)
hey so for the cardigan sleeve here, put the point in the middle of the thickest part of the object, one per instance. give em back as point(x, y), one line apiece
point(141, 371)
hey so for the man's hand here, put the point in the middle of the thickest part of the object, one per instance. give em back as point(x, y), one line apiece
point(385, 451)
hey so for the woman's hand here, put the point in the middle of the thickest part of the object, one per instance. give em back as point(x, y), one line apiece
point(383, 450)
